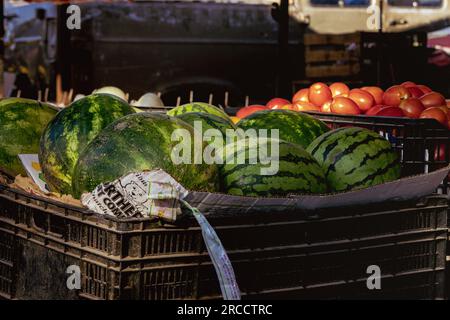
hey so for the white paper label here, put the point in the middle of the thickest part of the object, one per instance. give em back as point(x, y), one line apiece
point(144, 194)
point(31, 164)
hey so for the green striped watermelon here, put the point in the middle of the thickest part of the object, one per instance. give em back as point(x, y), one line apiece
point(209, 121)
point(355, 158)
point(22, 122)
point(136, 143)
point(198, 107)
point(298, 172)
point(70, 132)
point(295, 127)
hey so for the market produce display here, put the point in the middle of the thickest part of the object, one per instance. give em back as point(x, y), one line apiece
point(136, 143)
point(298, 172)
point(70, 132)
point(100, 138)
point(355, 158)
point(22, 122)
point(198, 107)
point(295, 127)
point(404, 100)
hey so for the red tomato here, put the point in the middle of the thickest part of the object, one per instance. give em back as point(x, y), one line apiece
point(373, 111)
point(432, 99)
point(446, 110)
point(305, 106)
point(435, 113)
point(339, 88)
point(412, 107)
point(363, 99)
point(301, 95)
point(390, 112)
point(326, 107)
point(319, 93)
point(424, 89)
point(394, 95)
point(440, 152)
point(344, 105)
point(408, 84)
point(277, 103)
point(415, 92)
point(448, 103)
point(376, 92)
point(246, 111)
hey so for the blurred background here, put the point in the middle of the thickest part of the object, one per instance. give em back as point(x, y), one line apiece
point(231, 52)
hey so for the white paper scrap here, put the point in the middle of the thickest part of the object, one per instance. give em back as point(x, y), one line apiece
point(31, 164)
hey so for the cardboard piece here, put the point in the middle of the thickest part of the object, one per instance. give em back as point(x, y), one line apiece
point(404, 189)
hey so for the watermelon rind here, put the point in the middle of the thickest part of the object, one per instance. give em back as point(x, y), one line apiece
point(295, 127)
point(70, 132)
point(137, 143)
point(22, 122)
point(298, 172)
point(355, 158)
point(198, 107)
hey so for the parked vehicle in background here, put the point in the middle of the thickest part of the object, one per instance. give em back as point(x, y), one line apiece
point(344, 16)
point(163, 46)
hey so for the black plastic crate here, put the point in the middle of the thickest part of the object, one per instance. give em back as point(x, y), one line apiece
point(287, 255)
point(7, 251)
point(78, 229)
point(423, 145)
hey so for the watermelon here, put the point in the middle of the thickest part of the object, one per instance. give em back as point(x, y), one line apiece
point(198, 107)
point(22, 122)
point(298, 172)
point(293, 126)
point(208, 121)
point(70, 132)
point(136, 143)
point(355, 158)
point(111, 90)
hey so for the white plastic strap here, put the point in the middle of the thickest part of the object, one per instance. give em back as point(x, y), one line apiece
point(220, 260)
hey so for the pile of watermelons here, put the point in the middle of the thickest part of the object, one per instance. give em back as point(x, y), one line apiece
point(100, 138)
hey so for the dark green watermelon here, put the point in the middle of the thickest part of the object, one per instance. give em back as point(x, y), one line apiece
point(293, 126)
point(198, 107)
point(22, 122)
point(298, 172)
point(136, 143)
point(208, 121)
point(70, 132)
point(355, 158)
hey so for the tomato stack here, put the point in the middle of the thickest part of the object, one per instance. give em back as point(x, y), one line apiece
point(405, 100)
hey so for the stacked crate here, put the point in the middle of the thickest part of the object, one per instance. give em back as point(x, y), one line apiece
point(332, 56)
